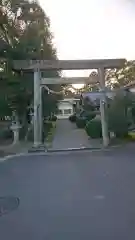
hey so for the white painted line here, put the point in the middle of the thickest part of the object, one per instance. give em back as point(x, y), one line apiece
point(12, 156)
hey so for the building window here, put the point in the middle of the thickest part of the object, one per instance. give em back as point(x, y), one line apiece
point(67, 111)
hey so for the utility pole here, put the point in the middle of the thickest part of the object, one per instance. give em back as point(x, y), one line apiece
point(103, 107)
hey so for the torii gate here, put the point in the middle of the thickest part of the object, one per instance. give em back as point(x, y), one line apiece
point(37, 66)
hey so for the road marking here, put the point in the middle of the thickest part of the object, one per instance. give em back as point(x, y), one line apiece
point(12, 156)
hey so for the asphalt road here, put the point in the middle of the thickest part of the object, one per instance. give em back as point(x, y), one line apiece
point(79, 196)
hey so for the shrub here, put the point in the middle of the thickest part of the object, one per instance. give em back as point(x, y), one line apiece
point(133, 112)
point(94, 128)
point(119, 125)
point(53, 118)
point(46, 128)
point(80, 122)
point(72, 118)
point(118, 117)
point(91, 116)
point(6, 134)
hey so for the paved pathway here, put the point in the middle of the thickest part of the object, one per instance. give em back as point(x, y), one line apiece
point(67, 135)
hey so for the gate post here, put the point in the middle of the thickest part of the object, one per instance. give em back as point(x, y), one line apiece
point(36, 107)
point(40, 116)
point(104, 122)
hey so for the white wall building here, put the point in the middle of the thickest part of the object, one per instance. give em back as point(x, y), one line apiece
point(66, 108)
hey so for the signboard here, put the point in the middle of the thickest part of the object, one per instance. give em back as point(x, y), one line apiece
point(68, 64)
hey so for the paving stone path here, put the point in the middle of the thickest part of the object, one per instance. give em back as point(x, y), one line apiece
point(68, 136)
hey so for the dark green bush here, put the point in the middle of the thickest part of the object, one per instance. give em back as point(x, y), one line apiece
point(80, 122)
point(53, 118)
point(72, 118)
point(133, 112)
point(118, 117)
point(6, 134)
point(91, 116)
point(46, 128)
point(94, 128)
point(119, 125)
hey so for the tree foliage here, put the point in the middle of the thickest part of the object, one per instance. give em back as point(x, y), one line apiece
point(116, 78)
point(24, 34)
point(49, 104)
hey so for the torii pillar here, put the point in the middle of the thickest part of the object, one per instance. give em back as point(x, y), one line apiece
point(37, 108)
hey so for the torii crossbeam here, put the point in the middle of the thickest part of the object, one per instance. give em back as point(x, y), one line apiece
point(30, 65)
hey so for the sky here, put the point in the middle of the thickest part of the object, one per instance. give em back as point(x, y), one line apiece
point(90, 29)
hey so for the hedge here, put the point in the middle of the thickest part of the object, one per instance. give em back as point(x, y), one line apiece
point(80, 123)
point(72, 118)
point(94, 128)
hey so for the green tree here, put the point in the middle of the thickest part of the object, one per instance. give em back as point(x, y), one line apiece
point(116, 78)
point(49, 103)
point(21, 21)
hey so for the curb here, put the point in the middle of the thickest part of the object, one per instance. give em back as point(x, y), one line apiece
point(45, 152)
point(40, 148)
point(73, 149)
